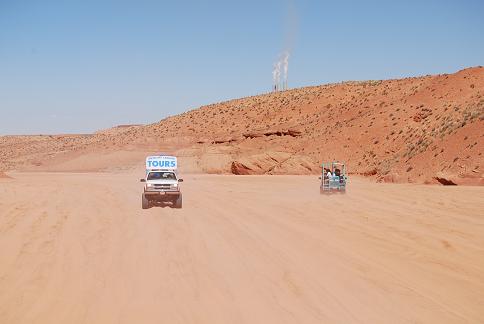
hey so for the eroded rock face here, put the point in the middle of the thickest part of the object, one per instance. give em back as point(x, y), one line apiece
point(370, 172)
point(273, 132)
point(445, 182)
point(240, 169)
point(390, 178)
point(297, 164)
point(252, 135)
point(262, 163)
point(223, 140)
point(275, 163)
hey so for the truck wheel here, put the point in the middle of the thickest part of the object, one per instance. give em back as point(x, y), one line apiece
point(178, 203)
point(145, 203)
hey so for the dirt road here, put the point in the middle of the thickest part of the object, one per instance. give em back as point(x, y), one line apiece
point(78, 248)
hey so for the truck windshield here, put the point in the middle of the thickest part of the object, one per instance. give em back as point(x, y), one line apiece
point(161, 176)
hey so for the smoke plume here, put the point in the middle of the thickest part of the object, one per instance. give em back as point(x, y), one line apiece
point(279, 72)
point(285, 63)
point(281, 66)
point(276, 75)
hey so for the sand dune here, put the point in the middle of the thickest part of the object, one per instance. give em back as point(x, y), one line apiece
point(78, 248)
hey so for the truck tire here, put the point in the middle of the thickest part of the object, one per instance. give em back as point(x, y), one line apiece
point(178, 203)
point(145, 203)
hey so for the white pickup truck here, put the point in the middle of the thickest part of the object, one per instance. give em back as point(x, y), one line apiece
point(162, 184)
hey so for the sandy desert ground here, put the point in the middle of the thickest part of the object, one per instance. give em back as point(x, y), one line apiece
point(78, 248)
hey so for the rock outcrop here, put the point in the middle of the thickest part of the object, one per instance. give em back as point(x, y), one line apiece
point(415, 128)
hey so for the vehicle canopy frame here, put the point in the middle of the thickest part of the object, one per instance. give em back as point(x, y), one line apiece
point(333, 177)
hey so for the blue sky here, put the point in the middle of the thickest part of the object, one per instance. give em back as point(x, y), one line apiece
point(80, 66)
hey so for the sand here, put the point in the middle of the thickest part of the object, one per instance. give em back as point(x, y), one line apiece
point(78, 248)
point(426, 129)
point(3, 175)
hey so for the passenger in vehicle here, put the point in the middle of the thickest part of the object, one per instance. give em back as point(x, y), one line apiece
point(154, 176)
point(170, 176)
point(338, 174)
